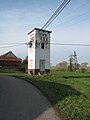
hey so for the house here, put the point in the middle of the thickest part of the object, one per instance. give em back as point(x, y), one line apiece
point(9, 62)
point(39, 51)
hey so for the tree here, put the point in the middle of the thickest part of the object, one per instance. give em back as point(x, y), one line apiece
point(24, 65)
point(84, 64)
point(71, 63)
point(63, 64)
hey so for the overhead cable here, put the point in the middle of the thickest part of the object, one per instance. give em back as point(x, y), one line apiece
point(52, 18)
point(62, 44)
point(12, 46)
point(56, 13)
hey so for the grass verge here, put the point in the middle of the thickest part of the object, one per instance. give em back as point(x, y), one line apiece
point(68, 92)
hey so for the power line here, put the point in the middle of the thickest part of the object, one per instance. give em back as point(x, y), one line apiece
point(55, 44)
point(1, 44)
point(62, 44)
point(74, 10)
point(72, 19)
point(52, 18)
point(80, 21)
point(12, 46)
point(56, 13)
point(78, 16)
point(65, 23)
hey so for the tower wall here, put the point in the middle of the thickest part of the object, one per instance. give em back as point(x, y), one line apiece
point(39, 51)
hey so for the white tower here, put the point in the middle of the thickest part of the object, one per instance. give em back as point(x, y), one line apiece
point(39, 51)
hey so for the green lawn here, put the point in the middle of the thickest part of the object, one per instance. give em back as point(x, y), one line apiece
point(68, 92)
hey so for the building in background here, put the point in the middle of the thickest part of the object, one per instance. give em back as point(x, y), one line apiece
point(39, 51)
point(9, 62)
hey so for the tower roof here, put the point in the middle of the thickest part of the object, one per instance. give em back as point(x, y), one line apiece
point(39, 30)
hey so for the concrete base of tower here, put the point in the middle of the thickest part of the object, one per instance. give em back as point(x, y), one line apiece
point(38, 72)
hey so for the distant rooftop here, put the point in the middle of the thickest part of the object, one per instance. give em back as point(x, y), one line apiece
point(9, 56)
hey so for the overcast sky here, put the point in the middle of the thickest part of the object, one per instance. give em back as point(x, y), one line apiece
point(18, 17)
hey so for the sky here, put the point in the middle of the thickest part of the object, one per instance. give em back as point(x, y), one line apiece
point(72, 26)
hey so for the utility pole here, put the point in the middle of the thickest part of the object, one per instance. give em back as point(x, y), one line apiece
point(73, 62)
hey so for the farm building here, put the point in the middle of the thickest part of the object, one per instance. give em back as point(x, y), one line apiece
point(9, 62)
point(39, 51)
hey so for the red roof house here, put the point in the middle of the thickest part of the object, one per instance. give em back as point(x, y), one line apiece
point(9, 61)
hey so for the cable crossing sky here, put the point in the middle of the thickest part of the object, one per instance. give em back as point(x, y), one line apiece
point(56, 13)
point(50, 20)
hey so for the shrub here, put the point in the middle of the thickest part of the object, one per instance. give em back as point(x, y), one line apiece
point(83, 69)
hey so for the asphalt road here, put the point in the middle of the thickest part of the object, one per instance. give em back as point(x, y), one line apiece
point(20, 100)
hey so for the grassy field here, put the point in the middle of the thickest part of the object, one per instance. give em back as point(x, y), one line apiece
point(68, 92)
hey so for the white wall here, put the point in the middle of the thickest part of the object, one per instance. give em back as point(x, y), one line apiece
point(31, 51)
point(43, 55)
point(37, 54)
